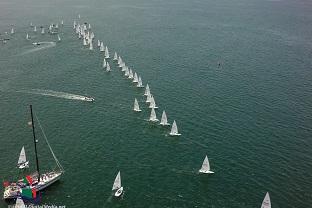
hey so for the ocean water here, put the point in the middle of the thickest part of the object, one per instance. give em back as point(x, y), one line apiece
point(251, 116)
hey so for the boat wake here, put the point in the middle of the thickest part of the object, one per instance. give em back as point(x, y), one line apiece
point(41, 46)
point(57, 94)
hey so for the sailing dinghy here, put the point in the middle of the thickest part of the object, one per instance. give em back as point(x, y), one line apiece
point(164, 121)
point(174, 129)
point(22, 161)
point(205, 166)
point(136, 106)
point(153, 116)
point(117, 186)
point(266, 201)
point(108, 69)
point(115, 57)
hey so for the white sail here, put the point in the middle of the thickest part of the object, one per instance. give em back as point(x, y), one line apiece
point(117, 182)
point(108, 69)
point(104, 63)
point(124, 68)
point(140, 84)
point(164, 120)
point(148, 98)
point(266, 201)
point(127, 72)
point(12, 30)
point(147, 90)
point(22, 157)
point(130, 74)
point(115, 56)
point(102, 49)
point(152, 102)
point(91, 45)
point(56, 26)
point(153, 115)
point(174, 129)
point(19, 203)
point(98, 43)
point(119, 60)
point(106, 52)
point(205, 166)
point(35, 29)
point(136, 105)
point(59, 38)
point(84, 42)
point(31, 24)
point(62, 22)
point(135, 79)
point(42, 31)
point(27, 37)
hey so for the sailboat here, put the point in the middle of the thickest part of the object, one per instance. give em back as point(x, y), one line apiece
point(104, 63)
point(164, 120)
point(19, 203)
point(35, 29)
point(127, 72)
point(38, 180)
point(119, 60)
point(22, 161)
point(12, 30)
point(98, 43)
point(130, 74)
point(205, 166)
point(108, 69)
point(266, 201)
point(117, 186)
point(135, 79)
point(152, 102)
point(84, 42)
point(148, 98)
point(115, 57)
point(106, 53)
point(91, 46)
point(102, 49)
point(62, 22)
point(147, 90)
point(27, 37)
point(153, 116)
point(136, 106)
point(124, 68)
point(42, 31)
point(174, 129)
point(140, 84)
point(58, 38)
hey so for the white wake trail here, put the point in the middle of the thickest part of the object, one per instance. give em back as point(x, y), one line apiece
point(42, 46)
point(52, 93)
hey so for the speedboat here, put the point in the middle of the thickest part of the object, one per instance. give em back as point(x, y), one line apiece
point(119, 192)
point(36, 43)
point(89, 99)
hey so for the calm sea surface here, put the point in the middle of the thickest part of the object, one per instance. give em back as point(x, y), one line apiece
point(251, 116)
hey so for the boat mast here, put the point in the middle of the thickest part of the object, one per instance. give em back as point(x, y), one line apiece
point(35, 141)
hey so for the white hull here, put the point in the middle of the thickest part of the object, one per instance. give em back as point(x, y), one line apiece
point(174, 134)
point(119, 192)
point(154, 120)
point(137, 110)
point(206, 171)
point(24, 165)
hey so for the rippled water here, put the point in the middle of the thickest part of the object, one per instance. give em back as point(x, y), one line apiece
point(251, 116)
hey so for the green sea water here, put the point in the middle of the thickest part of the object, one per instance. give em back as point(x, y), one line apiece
point(251, 116)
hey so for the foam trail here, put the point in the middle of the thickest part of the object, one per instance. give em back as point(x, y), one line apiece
point(52, 93)
point(42, 46)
